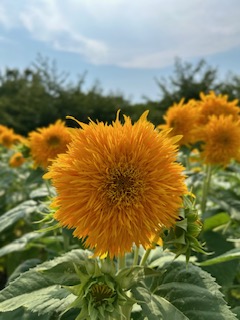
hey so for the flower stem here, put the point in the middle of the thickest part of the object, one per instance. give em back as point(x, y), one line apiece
point(205, 189)
point(147, 252)
point(121, 262)
point(126, 312)
point(144, 257)
point(47, 183)
point(135, 258)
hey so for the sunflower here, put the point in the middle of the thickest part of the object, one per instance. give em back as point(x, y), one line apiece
point(16, 160)
point(3, 128)
point(8, 137)
point(221, 138)
point(46, 143)
point(182, 118)
point(118, 184)
point(212, 104)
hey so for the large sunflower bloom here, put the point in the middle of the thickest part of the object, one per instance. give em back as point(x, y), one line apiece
point(118, 184)
point(212, 104)
point(221, 137)
point(182, 118)
point(46, 143)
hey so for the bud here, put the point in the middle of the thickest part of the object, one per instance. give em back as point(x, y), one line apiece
point(101, 292)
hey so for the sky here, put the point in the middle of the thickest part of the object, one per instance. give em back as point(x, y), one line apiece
point(124, 45)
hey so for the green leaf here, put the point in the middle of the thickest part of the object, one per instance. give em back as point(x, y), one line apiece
point(22, 314)
point(51, 299)
point(23, 267)
point(155, 307)
point(224, 272)
point(237, 311)
point(190, 290)
point(215, 221)
point(13, 215)
point(42, 192)
point(227, 256)
point(20, 243)
point(41, 289)
point(229, 202)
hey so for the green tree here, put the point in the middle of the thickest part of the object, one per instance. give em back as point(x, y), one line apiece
point(187, 82)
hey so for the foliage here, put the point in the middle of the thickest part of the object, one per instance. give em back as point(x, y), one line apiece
point(191, 273)
point(40, 94)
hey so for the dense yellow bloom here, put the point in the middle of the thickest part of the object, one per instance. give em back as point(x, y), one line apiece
point(221, 138)
point(8, 137)
point(212, 104)
point(118, 184)
point(16, 160)
point(46, 143)
point(182, 118)
point(2, 128)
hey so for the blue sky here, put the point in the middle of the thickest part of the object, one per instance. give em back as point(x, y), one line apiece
point(123, 44)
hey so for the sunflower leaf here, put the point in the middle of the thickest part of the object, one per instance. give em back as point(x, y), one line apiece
point(21, 313)
point(227, 256)
point(190, 290)
point(155, 307)
point(15, 214)
point(40, 289)
point(21, 243)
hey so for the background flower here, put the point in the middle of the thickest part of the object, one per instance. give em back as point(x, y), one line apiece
point(182, 118)
point(16, 160)
point(46, 143)
point(212, 104)
point(221, 138)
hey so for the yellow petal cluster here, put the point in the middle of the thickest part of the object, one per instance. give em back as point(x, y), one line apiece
point(182, 118)
point(212, 104)
point(47, 142)
point(221, 138)
point(118, 184)
point(8, 137)
point(16, 160)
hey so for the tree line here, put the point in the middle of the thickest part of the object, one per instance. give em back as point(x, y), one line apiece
point(39, 95)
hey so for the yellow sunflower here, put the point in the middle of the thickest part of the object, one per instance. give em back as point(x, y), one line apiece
point(212, 104)
point(46, 143)
point(221, 138)
point(182, 118)
point(3, 128)
point(16, 160)
point(8, 137)
point(118, 184)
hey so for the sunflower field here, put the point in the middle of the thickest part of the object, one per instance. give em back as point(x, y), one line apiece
point(123, 220)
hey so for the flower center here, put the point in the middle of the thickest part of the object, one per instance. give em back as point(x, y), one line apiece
point(100, 292)
point(124, 185)
point(53, 141)
point(173, 123)
point(223, 139)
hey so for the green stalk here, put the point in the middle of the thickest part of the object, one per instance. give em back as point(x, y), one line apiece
point(126, 312)
point(135, 258)
point(121, 262)
point(66, 240)
point(47, 183)
point(144, 257)
point(147, 252)
point(206, 185)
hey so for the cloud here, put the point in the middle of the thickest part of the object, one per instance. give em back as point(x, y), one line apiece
point(57, 31)
point(4, 18)
point(130, 34)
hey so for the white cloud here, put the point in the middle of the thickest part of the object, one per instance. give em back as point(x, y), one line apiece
point(131, 34)
point(4, 20)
